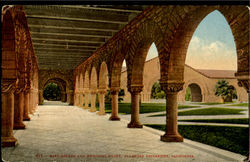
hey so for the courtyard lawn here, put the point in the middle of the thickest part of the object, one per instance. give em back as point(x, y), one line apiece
point(229, 121)
point(125, 108)
point(241, 104)
point(233, 139)
point(208, 111)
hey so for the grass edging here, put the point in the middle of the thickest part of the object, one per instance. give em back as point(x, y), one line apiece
point(233, 139)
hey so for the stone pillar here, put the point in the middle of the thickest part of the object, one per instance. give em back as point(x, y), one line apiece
point(135, 106)
point(26, 106)
point(41, 99)
point(93, 99)
point(63, 99)
point(114, 94)
point(86, 100)
point(18, 110)
point(75, 100)
point(70, 97)
point(101, 101)
point(7, 114)
point(244, 81)
point(31, 100)
point(171, 88)
point(81, 99)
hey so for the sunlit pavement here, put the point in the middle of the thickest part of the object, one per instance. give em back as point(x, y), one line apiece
point(68, 133)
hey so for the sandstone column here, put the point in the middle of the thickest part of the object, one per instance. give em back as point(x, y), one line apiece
point(26, 106)
point(7, 115)
point(114, 94)
point(41, 99)
point(33, 93)
point(86, 100)
point(76, 99)
point(244, 81)
point(93, 99)
point(135, 106)
point(18, 109)
point(171, 88)
point(70, 97)
point(31, 100)
point(101, 101)
point(81, 99)
point(63, 99)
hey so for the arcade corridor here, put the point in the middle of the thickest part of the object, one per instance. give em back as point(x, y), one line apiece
point(58, 132)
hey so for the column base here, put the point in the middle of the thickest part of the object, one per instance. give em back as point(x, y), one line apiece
point(85, 107)
point(172, 138)
point(101, 113)
point(92, 110)
point(26, 118)
point(135, 125)
point(8, 141)
point(114, 118)
point(19, 126)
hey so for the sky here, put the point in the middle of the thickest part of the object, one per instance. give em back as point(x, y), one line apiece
point(211, 47)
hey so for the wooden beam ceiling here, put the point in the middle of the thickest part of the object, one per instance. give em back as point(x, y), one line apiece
point(65, 35)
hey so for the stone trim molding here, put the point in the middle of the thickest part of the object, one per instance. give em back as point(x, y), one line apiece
point(135, 88)
point(172, 86)
point(8, 87)
point(114, 90)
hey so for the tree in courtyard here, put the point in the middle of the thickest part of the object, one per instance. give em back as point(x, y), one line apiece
point(226, 91)
point(157, 92)
point(52, 92)
point(188, 94)
point(108, 98)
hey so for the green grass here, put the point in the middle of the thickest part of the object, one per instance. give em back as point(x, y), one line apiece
point(231, 121)
point(207, 111)
point(125, 108)
point(233, 139)
point(241, 104)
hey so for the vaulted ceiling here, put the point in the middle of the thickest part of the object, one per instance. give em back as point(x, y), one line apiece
point(63, 36)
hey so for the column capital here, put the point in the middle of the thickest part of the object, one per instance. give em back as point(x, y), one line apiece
point(19, 90)
point(8, 86)
point(102, 91)
point(245, 84)
point(243, 80)
point(114, 90)
point(26, 91)
point(93, 91)
point(172, 86)
point(135, 88)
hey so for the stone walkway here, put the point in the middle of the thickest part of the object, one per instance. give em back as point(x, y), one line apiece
point(68, 133)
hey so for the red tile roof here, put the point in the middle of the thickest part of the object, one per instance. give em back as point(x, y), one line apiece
point(217, 73)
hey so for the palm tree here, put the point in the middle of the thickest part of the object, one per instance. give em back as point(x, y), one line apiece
point(223, 89)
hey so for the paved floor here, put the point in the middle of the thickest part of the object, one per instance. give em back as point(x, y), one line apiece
point(68, 133)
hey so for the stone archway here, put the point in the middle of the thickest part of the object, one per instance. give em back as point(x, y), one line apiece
point(93, 88)
point(63, 78)
point(196, 95)
point(62, 86)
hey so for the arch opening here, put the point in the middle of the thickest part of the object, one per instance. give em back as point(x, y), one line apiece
point(52, 92)
point(193, 93)
point(55, 90)
point(212, 41)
